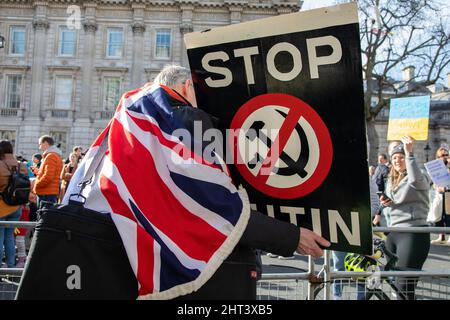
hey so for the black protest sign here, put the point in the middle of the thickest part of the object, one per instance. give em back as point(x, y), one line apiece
point(291, 89)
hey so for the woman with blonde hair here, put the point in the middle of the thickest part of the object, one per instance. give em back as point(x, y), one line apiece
point(406, 204)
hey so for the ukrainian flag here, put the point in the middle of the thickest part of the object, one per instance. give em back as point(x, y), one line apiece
point(409, 116)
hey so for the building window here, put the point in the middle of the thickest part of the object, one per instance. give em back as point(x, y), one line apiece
point(446, 116)
point(67, 42)
point(9, 135)
point(60, 138)
point(163, 43)
point(17, 40)
point(13, 91)
point(63, 92)
point(111, 93)
point(115, 43)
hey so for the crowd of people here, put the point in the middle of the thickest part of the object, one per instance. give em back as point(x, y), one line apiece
point(402, 195)
point(261, 232)
point(406, 198)
point(49, 175)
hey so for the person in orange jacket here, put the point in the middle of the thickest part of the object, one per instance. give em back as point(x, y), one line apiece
point(46, 185)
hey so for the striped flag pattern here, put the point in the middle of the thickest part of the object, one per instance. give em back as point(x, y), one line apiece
point(178, 215)
point(409, 116)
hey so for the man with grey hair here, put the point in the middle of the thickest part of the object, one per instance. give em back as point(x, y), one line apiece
point(179, 79)
point(236, 278)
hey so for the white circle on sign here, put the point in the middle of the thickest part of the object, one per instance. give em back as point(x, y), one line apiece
point(269, 121)
point(290, 156)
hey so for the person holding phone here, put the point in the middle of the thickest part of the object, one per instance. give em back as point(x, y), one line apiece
point(405, 203)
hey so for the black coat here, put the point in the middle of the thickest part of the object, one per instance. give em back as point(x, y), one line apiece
point(380, 175)
point(236, 277)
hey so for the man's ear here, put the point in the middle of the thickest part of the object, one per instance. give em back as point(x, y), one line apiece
point(186, 86)
point(182, 88)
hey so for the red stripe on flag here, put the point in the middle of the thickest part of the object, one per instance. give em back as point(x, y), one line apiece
point(146, 261)
point(181, 149)
point(126, 95)
point(110, 192)
point(100, 137)
point(144, 245)
point(193, 235)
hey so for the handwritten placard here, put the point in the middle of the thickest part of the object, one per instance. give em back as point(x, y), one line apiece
point(438, 172)
point(409, 116)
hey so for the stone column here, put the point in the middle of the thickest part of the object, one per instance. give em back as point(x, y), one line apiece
point(186, 26)
point(31, 129)
point(81, 133)
point(138, 27)
point(40, 26)
point(138, 55)
point(90, 27)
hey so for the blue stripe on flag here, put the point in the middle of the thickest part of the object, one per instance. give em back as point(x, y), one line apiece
point(147, 106)
point(202, 191)
point(172, 272)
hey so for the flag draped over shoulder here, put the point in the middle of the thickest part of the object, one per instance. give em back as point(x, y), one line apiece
point(178, 216)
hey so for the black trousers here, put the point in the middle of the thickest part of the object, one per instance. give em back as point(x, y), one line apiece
point(235, 279)
point(412, 251)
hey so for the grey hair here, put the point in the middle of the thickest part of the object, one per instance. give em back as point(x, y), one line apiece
point(172, 75)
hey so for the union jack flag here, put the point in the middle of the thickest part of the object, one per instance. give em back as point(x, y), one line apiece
point(178, 215)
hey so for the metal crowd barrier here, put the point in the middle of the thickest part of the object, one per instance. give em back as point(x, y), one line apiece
point(431, 284)
point(308, 285)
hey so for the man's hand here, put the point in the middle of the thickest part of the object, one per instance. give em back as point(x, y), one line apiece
point(309, 243)
point(440, 189)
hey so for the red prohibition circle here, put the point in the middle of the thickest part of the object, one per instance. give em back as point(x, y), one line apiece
point(302, 109)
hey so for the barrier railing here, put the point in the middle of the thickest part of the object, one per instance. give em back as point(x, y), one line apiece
point(293, 285)
point(412, 229)
point(18, 224)
point(330, 275)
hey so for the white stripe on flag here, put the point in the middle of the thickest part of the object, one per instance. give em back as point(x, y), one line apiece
point(73, 187)
point(156, 266)
point(128, 233)
point(199, 171)
point(160, 159)
point(110, 171)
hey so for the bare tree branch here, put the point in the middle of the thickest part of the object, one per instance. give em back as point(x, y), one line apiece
point(401, 33)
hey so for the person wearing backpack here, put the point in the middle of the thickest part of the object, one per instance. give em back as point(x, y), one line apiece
point(8, 167)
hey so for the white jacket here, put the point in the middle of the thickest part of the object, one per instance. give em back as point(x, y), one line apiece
point(436, 205)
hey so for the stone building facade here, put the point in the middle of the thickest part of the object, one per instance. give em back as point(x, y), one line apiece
point(66, 62)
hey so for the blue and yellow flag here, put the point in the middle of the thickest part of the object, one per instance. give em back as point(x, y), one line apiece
point(409, 116)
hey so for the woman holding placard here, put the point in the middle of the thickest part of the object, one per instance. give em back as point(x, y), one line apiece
point(406, 204)
point(439, 213)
